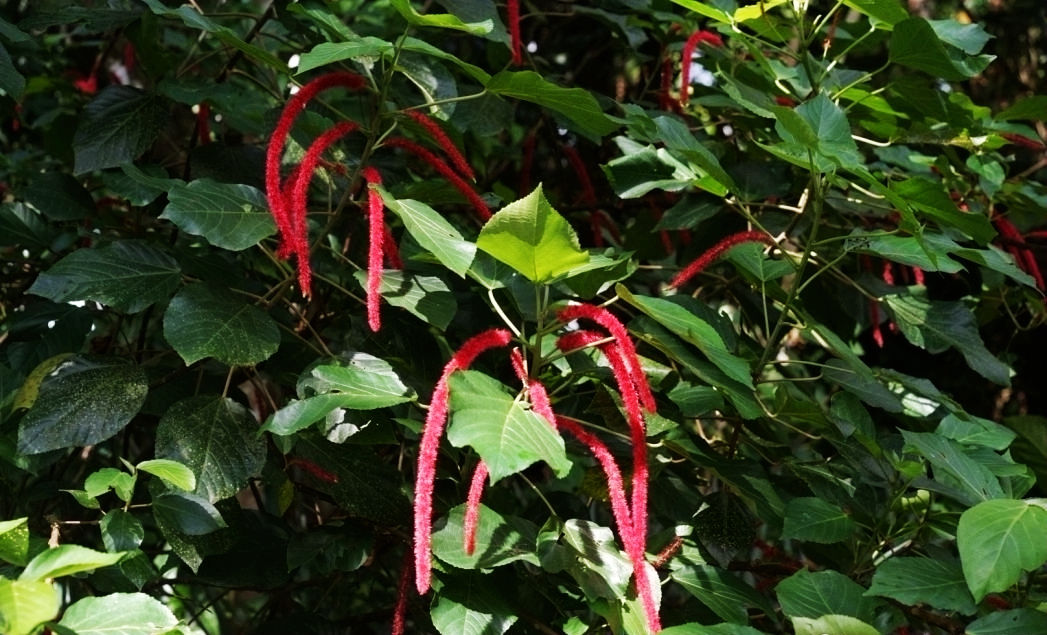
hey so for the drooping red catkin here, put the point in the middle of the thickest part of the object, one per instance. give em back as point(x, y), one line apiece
point(1018, 248)
point(917, 275)
point(403, 588)
point(699, 36)
point(575, 159)
point(298, 200)
point(874, 317)
point(713, 253)
point(608, 321)
point(445, 143)
point(526, 160)
point(665, 99)
point(472, 508)
point(431, 433)
point(516, 359)
point(1024, 141)
point(376, 232)
point(512, 9)
point(888, 274)
point(275, 192)
point(445, 171)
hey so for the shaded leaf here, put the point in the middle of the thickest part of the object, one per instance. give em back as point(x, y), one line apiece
point(914, 43)
point(499, 540)
point(816, 520)
point(121, 531)
point(723, 592)
point(912, 581)
point(952, 466)
point(203, 321)
point(117, 126)
point(426, 297)
point(470, 605)
point(59, 196)
point(576, 104)
point(440, 20)
point(1014, 622)
point(812, 595)
point(190, 514)
point(229, 215)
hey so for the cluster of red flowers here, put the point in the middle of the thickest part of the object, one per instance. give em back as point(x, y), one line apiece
point(630, 516)
point(288, 198)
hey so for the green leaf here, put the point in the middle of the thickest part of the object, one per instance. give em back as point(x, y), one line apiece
point(499, 540)
point(637, 173)
point(929, 255)
point(432, 232)
point(594, 560)
point(426, 297)
point(915, 43)
point(912, 581)
point(812, 595)
point(679, 138)
point(171, 472)
point(196, 20)
point(930, 198)
point(83, 401)
point(717, 629)
point(820, 126)
point(228, 215)
point(969, 38)
point(125, 275)
point(750, 258)
point(189, 514)
point(976, 431)
point(203, 321)
point(14, 541)
point(118, 125)
point(816, 520)
point(440, 20)
point(835, 624)
point(997, 540)
point(576, 104)
point(936, 326)
point(692, 329)
point(26, 603)
point(695, 400)
point(503, 431)
point(59, 196)
point(108, 478)
point(532, 238)
point(723, 592)
point(119, 614)
point(704, 9)
point(973, 482)
point(1029, 108)
point(470, 605)
point(330, 52)
point(299, 414)
point(66, 560)
point(11, 81)
point(121, 531)
point(1014, 622)
point(889, 12)
point(217, 439)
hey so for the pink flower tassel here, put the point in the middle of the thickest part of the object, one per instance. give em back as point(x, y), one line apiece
point(445, 171)
point(713, 253)
point(472, 508)
point(445, 143)
point(376, 232)
point(431, 433)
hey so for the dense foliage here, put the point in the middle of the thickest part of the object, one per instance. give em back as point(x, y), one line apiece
point(627, 315)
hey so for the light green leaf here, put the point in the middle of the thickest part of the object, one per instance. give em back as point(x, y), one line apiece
point(694, 330)
point(14, 541)
point(835, 624)
point(121, 531)
point(171, 472)
point(426, 297)
point(470, 605)
point(998, 539)
point(229, 215)
point(66, 560)
point(217, 439)
point(82, 401)
point(816, 520)
point(203, 321)
point(820, 126)
point(299, 414)
point(434, 233)
point(915, 43)
point(716, 629)
point(595, 561)
point(330, 52)
point(724, 593)
point(119, 614)
point(26, 603)
point(100, 482)
point(912, 581)
point(704, 9)
point(116, 127)
point(973, 481)
point(1014, 622)
point(499, 540)
point(908, 250)
point(125, 275)
point(930, 198)
point(503, 431)
point(936, 326)
point(440, 20)
point(812, 595)
point(976, 431)
point(576, 104)
point(533, 238)
point(187, 513)
point(889, 12)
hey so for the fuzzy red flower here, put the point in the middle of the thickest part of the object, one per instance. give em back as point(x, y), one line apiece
point(713, 253)
point(445, 171)
point(376, 233)
point(700, 36)
point(445, 143)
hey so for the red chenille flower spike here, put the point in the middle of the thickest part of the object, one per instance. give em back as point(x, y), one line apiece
point(713, 253)
point(402, 588)
point(445, 171)
point(431, 433)
point(472, 508)
point(376, 232)
point(700, 36)
point(445, 143)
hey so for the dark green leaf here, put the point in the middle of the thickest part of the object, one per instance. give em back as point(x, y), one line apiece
point(974, 481)
point(230, 216)
point(723, 592)
point(679, 139)
point(117, 126)
point(217, 439)
point(469, 605)
point(59, 196)
point(976, 431)
point(816, 520)
point(499, 540)
point(440, 20)
point(912, 581)
point(125, 275)
point(889, 12)
point(969, 38)
point(812, 595)
point(190, 514)
point(66, 560)
point(576, 104)
point(914, 43)
point(998, 539)
point(930, 198)
point(533, 238)
point(121, 531)
point(203, 321)
point(1014, 622)
point(503, 431)
point(908, 250)
point(1030, 108)
point(694, 400)
point(11, 81)
point(427, 297)
point(21, 225)
point(434, 233)
point(118, 614)
point(595, 561)
point(637, 173)
point(83, 401)
point(936, 326)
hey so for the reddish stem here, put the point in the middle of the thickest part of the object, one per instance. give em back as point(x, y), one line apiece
point(713, 253)
point(445, 143)
point(203, 123)
point(512, 9)
point(445, 170)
